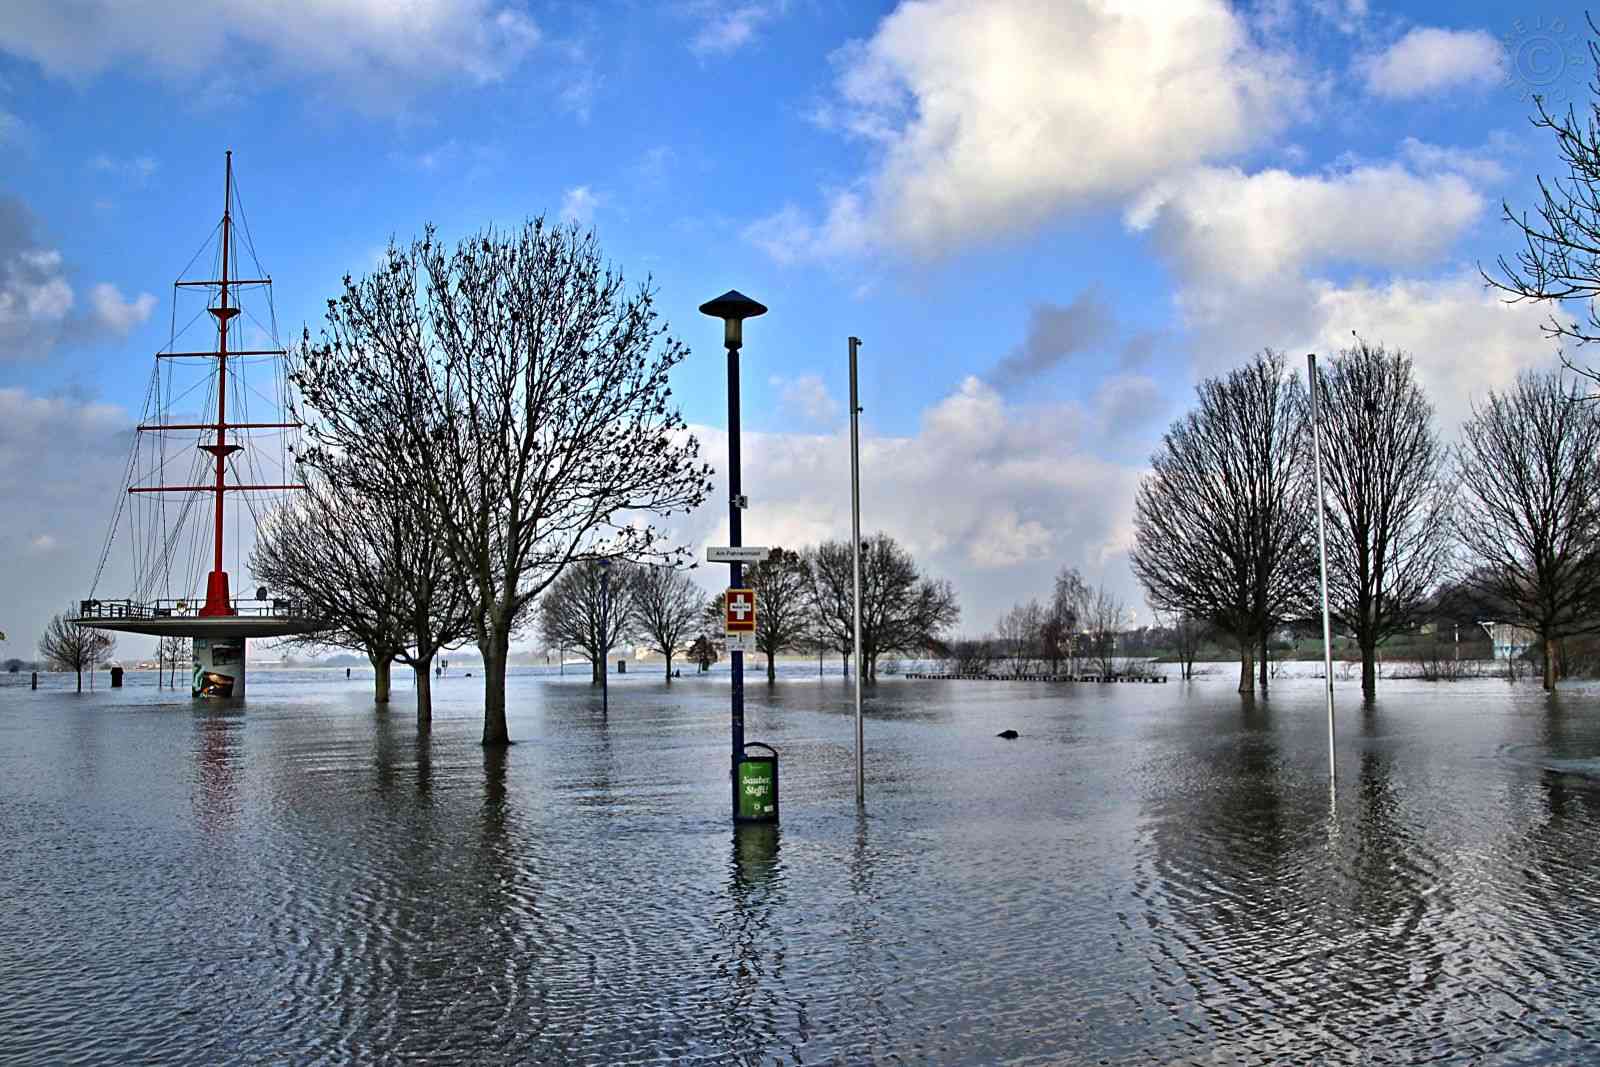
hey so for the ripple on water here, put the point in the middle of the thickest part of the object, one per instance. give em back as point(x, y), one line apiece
point(1151, 874)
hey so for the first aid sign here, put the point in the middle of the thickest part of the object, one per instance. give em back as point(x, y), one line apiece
point(741, 611)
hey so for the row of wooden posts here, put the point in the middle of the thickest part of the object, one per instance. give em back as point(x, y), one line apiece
point(1151, 678)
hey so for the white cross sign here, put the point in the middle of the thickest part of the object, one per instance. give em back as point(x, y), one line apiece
point(741, 614)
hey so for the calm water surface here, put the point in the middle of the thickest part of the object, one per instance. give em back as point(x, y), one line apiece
point(1150, 875)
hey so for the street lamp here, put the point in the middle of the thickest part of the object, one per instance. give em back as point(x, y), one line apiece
point(733, 307)
point(605, 638)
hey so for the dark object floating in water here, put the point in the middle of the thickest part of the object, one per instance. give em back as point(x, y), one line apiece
point(469, 674)
point(1009, 735)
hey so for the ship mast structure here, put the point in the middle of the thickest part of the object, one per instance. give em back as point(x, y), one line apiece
point(219, 616)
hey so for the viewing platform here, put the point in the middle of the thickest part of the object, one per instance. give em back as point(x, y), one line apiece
point(181, 618)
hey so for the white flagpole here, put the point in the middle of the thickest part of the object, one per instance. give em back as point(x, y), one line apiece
point(855, 542)
point(1322, 552)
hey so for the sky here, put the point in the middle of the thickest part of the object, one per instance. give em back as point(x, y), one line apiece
point(1045, 219)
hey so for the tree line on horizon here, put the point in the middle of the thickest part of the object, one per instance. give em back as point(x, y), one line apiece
point(804, 600)
point(1509, 518)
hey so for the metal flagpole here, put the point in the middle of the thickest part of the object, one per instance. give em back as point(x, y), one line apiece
point(1322, 552)
point(855, 541)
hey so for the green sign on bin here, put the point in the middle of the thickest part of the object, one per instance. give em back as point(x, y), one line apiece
point(758, 789)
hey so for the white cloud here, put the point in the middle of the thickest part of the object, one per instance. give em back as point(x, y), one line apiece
point(117, 314)
point(804, 398)
point(38, 303)
point(1220, 224)
point(383, 47)
point(578, 204)
point(988, 119)
point(1464, 338)
point(1428, 60)
point(725, 29)
point(995, 496)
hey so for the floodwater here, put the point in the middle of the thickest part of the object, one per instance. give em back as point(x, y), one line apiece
point(1151, 874)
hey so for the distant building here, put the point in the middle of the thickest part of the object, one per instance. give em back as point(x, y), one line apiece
point(1509, 641)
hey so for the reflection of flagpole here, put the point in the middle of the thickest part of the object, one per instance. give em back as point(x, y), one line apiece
point(855, 542)
point(1322, 552)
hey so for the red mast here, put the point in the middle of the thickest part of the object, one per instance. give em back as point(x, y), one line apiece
point(217, 602)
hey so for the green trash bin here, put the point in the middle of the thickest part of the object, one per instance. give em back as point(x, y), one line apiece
point(758, 783)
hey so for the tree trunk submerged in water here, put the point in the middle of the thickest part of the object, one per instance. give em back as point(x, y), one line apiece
point(1369, 671)
point(380, 678)
point(423, 670)
point(1247, 678)
point(494, 687)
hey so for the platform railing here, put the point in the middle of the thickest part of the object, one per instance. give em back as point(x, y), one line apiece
point(272, 608)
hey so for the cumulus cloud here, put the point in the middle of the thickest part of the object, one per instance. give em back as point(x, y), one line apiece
point(117, 314)
point(805, 398)
point(1429, 60)
point(1221, 224)
point(987, 119)
point(383, 46)
point(38, 303)
point(994, 495)
point(1464, 338)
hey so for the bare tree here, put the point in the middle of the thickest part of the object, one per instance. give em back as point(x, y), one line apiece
point(67, 646)
point(973, 655)
point(1059, 627)
point(1102, 620)
point(666, 605)
point(520, 387)
point(783, 587)
point(1187, 633)
point(171, 651)
point(1018, 633)
point(1388, 497)
point(589, 610)
point(1560, 258)
point(900, 610)
point(1223, 519)
point(371, 571)
point(1530, 513)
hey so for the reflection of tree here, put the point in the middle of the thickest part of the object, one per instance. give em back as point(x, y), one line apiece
point(1223, 860)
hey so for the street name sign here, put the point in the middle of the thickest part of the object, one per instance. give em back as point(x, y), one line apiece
point(738, 554)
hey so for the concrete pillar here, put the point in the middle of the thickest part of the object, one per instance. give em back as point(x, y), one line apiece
point(218, 667)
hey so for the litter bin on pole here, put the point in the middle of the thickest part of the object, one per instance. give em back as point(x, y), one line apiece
point(758, 783)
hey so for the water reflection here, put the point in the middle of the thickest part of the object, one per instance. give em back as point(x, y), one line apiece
point(218, 756)
point(1153, 877)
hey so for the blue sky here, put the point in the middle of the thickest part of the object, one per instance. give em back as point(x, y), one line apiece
point(1046, 219)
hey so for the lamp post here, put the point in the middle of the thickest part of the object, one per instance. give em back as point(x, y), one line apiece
point(605, 638)
point(733, 307)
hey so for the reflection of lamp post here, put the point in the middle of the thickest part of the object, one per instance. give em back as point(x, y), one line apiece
point(605, 636)
point(733, 307)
